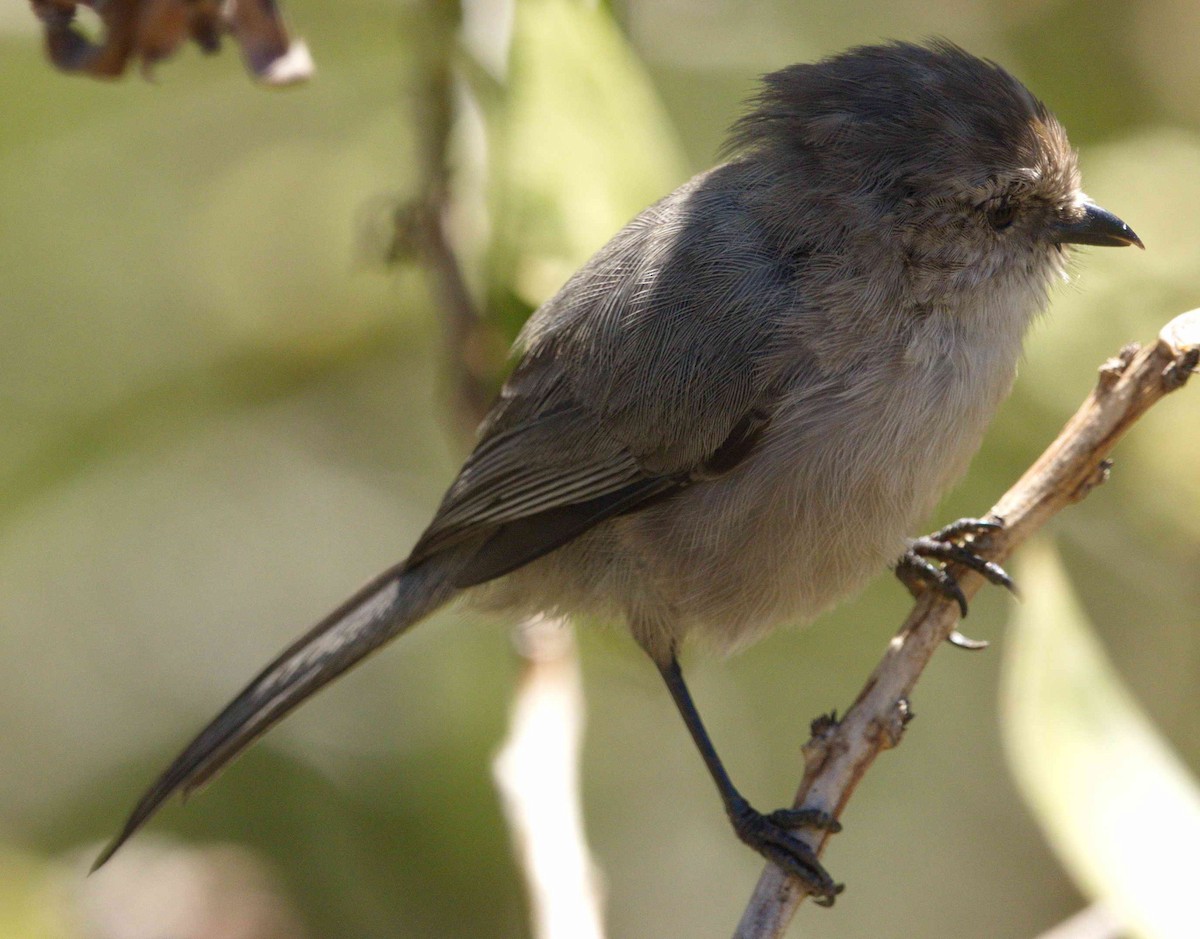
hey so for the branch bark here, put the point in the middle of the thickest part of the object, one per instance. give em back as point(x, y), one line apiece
point(421, 227)
point(840, 752)
point(537, 773)
point(536, 770)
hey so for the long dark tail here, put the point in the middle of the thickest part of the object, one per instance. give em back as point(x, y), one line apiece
point(381, 610)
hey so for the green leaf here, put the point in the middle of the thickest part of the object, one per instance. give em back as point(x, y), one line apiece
point(1118, 807)
point(583, 145)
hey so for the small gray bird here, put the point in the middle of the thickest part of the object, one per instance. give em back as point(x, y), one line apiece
point(732, 415)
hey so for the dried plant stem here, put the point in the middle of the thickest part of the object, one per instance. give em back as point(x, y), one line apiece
point(422, 226)
point(537, 773)
point(537, 767)
point(840, 752)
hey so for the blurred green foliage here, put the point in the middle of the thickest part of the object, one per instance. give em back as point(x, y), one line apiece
point(1085, 756)
point(217, 419)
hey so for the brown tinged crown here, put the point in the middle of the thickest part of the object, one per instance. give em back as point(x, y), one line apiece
point(922, 125)
point(927, 112)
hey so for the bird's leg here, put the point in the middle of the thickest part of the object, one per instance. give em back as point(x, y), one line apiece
point(918, 571)
point(769, 835)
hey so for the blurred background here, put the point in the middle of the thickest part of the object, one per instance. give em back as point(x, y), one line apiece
point(226, 400)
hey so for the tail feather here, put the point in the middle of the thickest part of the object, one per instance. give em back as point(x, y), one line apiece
point(384, 608)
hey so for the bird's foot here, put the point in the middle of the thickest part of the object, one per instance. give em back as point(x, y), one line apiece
point(771, 836)
point(919, 571)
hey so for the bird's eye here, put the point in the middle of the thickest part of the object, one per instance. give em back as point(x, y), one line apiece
point(1000, 214)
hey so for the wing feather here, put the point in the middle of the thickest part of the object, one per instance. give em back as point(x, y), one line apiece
point(650, 370)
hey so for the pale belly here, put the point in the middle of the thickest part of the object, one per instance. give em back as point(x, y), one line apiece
point(792, 535)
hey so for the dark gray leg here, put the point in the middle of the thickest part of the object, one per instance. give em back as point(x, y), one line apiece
point(769, 835)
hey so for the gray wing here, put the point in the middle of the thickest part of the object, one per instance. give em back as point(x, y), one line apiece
point(652, 369)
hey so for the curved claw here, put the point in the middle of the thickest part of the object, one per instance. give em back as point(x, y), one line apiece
point(805, 869)
point(770, 837)
point(917, 571)
point(827, 902)
point(917, 574)
point(959, 641)
point(931, 547)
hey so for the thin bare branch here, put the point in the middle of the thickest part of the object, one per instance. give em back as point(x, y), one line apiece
point(537, 767)
point(840, 752)
point(537, 773)
point(421, 227)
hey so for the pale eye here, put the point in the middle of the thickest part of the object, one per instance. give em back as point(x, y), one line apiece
point(1000, 214)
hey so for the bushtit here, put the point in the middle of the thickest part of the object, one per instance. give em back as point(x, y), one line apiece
point(730, 417)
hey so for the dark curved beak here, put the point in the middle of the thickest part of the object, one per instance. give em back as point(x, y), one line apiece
point(1096, 226)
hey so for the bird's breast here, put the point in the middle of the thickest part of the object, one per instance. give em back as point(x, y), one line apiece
point(846, 471)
